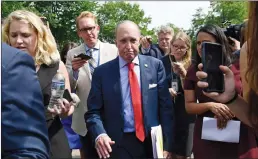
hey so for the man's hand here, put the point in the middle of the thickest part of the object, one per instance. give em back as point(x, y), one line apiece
point(62, 108)
point(77, 63)
point(144, 41)
point(103, 146)
point(236, 45)
point(167, 155)
point(179, 68)
point(172, 92)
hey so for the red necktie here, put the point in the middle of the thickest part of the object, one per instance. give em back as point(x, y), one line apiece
point(137, 102)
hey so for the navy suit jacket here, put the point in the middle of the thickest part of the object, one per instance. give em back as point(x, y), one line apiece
point(24, 129)
point(105, 110)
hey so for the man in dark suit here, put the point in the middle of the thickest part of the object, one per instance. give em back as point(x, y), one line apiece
point(129, 96)
point(24, 129)
point(165, 35)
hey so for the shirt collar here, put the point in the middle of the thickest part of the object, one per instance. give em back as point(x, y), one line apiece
point(96, 47)
point(123, 63)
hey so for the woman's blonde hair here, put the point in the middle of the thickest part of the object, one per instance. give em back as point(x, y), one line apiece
point(46, 49)
point(188, 55)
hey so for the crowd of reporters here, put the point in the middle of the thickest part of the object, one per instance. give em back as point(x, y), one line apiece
point(183, 81)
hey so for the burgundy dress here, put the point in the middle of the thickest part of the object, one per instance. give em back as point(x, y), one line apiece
point(202, 149)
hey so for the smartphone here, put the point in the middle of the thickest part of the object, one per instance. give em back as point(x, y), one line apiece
point(172, 58)
point(67, 95)
point(83, 56)
point(212, 58)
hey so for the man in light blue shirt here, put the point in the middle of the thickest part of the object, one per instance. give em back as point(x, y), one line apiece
point(126, 95)
point(80, 70)
point(129, 96)
point(94, 55)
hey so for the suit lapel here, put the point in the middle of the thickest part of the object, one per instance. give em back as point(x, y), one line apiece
point(144, 69)
point(102, 53)
point(115, 74)
point(87, 70)
point(81, 50)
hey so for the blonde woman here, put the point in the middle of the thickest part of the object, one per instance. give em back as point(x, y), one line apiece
point(25, 30)
point(176, 64)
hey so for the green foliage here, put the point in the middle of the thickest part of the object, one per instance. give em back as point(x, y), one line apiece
point(62, 15)
point(111, 13)
point(8, 7)
point(222, 13)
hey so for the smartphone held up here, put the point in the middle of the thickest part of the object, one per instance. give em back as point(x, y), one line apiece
point(212, 58)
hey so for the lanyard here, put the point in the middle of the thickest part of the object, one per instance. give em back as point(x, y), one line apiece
point(174, 78)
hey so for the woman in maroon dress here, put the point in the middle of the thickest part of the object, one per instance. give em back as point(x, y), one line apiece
point(209, 108)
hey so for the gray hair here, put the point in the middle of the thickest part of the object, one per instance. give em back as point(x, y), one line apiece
point(165, 29)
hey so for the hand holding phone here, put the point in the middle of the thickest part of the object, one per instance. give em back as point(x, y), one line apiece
point(67, 95)
point(71, 97)
point(83, 56)
point(212, 58)
point(179, 69)
point(79, 61)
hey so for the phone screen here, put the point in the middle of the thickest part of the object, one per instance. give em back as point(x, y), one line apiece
point(212, 58)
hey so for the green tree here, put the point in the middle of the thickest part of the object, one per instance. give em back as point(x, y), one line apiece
point(221, 13)
point(62, 17)
point(234, 13)
point(9, 6)
point(110, 13)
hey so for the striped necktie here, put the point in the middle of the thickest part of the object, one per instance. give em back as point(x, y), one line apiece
point(92, 62)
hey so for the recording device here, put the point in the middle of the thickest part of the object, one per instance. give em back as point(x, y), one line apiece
point(233, 31)
point(67, 96)
point(83, 56)
point(45, 21)
point(172, 58)
point(212, 58)
point(148, 38)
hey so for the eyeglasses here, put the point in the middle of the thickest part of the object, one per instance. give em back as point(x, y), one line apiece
point(179, 48)
point(88, 29)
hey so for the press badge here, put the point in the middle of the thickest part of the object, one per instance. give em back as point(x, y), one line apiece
point(174, 85)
